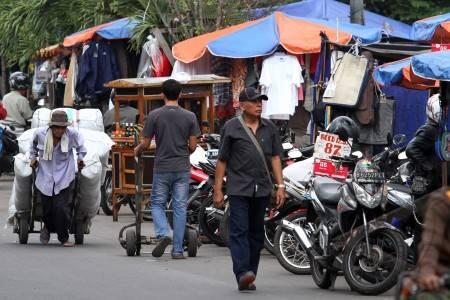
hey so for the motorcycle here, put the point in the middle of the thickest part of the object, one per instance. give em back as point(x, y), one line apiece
point(344, 233)
point(8, 149)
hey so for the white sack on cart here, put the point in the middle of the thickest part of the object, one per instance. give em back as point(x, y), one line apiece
point(22, 182)
point(25, 140)
point(11, 206)
point(90, 118)
point(41, 117)
point(89, 185)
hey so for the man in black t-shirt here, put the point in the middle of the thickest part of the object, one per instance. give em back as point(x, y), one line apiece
point(175, 130)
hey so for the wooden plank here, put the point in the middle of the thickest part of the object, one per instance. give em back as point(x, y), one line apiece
point(158, 81)
point(164, 45)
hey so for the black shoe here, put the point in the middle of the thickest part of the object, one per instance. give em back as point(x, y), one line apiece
point(178, 256)
point(245, 280)
point(159, 249)
point(251, 287)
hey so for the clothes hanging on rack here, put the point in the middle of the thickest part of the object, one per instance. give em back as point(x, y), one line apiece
point(281, 77)
point(238, 75)
point(153, 61)
point(198, 67)
point(97, 66)
point(72, 74)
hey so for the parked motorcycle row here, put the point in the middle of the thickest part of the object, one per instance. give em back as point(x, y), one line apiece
point(361, 227)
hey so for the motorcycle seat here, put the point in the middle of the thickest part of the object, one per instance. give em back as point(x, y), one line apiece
point(327, 190)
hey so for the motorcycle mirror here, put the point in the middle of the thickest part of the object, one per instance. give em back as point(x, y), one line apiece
point(357, 154)
point(295, 154)
point(287, 146)
point(389, 139)
point(399, 139)
point(402, 156)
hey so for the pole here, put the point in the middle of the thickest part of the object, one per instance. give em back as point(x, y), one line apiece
point(357, 11)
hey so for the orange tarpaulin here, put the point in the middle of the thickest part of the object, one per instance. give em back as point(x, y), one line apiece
point(412, 81)
point(296, 35)
point(192, 49)
point(82, 36)
point(442, 34)
point(299, 36)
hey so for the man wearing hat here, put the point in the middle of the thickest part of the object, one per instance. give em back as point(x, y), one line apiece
point(52, 155)
point(247, 155)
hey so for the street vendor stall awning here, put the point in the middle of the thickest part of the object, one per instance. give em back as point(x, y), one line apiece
point(50, 51)
point(119, 29)
point(419, 72)
point(334, 10)
point(263, 36)
point(435, 29)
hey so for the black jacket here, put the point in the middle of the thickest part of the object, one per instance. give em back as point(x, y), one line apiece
point(421, 148)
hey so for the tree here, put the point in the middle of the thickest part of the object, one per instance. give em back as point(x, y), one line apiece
point(407, 11)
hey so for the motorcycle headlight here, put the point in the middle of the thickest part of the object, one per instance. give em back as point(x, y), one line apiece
point(366, 199)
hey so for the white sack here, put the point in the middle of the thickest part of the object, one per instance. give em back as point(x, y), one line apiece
point(41, 117)
point(89, 184)
point(90, 118)
point(25, 140)
point(22, 182)
point(11, 205)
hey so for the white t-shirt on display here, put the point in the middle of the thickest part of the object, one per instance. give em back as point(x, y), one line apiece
point(281, 76)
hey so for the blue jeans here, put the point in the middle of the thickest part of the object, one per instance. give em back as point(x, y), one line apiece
point(175, 184)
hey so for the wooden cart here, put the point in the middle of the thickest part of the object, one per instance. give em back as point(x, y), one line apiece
point(196, 96)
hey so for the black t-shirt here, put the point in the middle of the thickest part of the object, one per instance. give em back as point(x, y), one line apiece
point(246, 174)
point(172, 126)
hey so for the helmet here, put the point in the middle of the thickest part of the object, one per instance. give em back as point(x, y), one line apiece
point(434, 110)
point(19, 81)
point(345, 128)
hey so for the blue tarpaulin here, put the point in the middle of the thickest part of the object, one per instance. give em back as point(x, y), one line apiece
point(423, 30)
point(391, 73)
point(333, 10)
point(434, 65)
point(120, 29)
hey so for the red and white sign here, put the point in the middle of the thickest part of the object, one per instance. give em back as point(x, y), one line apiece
point(328, 145)
point(440, 47)
point(324, 167)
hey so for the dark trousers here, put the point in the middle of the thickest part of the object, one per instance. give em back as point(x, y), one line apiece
point(57, 212)
point(246, 232)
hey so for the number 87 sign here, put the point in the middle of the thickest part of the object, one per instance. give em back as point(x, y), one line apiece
point(328, 145)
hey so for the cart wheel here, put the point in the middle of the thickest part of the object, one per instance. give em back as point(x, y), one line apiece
point(23, 230)
point(192, 242)
point(131, 242)
point(79, 232)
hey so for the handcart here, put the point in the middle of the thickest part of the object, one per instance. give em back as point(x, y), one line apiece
point(25, 219)
point(133, 236)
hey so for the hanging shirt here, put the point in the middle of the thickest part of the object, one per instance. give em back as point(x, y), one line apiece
point(281, 77)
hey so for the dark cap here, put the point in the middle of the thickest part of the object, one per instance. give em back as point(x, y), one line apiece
point(251, 94)
point(59, 118)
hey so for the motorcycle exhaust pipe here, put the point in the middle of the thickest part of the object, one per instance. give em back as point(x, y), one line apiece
point(300, 235)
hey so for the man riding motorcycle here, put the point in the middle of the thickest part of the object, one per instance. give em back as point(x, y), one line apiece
point(421, 149)
point(16, 103)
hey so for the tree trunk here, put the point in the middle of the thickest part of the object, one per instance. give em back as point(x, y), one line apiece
point(3, 77)
point(357, 11)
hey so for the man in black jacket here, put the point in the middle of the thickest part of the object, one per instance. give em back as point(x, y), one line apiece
point(421, 149)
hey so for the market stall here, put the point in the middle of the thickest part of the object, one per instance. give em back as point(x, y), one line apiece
point(196, 96)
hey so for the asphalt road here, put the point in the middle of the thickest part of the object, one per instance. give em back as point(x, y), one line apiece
point(100, 269)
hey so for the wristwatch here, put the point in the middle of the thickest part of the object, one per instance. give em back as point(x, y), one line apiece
point(280, 186)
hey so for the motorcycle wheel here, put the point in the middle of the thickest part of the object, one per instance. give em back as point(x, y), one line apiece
point(106, 200)
point(288, 251)
point(376, 274)
point(323, 277)
point(209, 225)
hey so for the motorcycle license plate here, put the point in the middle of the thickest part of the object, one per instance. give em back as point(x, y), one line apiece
point(212, 153)
point(323, 167)
point(370, 177)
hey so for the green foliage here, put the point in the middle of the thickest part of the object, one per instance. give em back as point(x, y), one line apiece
point(407, 11)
